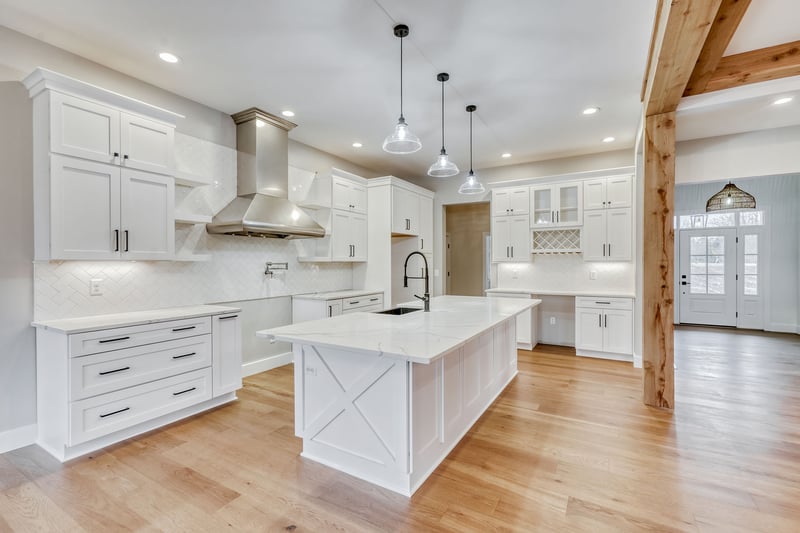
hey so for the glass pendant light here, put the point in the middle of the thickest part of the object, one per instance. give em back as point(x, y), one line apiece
point(730, 197)
point(401, 141)
point(471, 185)
point(443, 167)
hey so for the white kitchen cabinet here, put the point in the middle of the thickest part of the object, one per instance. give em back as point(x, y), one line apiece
point(426, 226)
point(510, 236)
point(89, 130)
point(527, 322)
point(313, 307)
point(348, 236)
point(102, 166)
point(104, 381)
point(405, 211)
point(607, 235)
point(607, 193)
point(604, 328)
point(509, 201)
point(348, 195)
point(100, 211)
point(226, 335)
point(556, 204)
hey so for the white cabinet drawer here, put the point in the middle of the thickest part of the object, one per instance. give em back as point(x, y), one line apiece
point(105, 372)
point(598, 302)
point(358, 302)
point(365, 309)
point(94, 417)
point(118, 338)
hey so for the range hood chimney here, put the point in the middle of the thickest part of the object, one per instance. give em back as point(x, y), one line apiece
point(262, 207)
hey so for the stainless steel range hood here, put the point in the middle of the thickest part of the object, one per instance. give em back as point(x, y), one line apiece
point(262, 208)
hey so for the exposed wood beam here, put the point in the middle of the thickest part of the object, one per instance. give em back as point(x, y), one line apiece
point(658, 261)
point(728, 17)
point(780, 61)
point(682, 29)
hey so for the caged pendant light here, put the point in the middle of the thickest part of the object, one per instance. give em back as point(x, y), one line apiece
point(401, 141)
point(443, 167)
point(471, 185)
point(730, 197)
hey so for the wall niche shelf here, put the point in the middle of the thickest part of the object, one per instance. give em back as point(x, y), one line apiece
point(191, 218)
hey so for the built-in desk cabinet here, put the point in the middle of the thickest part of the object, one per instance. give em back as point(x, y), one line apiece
point(604, 327)
point(102, 172)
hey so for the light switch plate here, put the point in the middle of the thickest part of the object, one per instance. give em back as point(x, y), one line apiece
point(593, 274)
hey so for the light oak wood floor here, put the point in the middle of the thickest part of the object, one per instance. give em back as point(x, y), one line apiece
point(567, 447)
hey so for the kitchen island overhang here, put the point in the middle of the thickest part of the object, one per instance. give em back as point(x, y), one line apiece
point(386, 398)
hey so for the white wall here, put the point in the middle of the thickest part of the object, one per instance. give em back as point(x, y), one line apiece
point(206, 144)
point(17, 364)
point(780, 197)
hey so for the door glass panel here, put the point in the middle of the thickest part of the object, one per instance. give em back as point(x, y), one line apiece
point(697, 245)
point(698, 265)
point(751, 262)
point(716, 245)
point(698, 284)
point(716, 284)
point(751, 244)
point(720, 220)
point(750, 285)
point(716, 264)
point(751, 218)
point(707, 264)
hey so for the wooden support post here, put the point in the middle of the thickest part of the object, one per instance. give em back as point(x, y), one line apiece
point(658, 258)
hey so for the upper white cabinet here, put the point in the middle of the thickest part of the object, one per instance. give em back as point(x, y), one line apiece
point(338, 202)
point(101, 170)
point(426, 224)
point(405, 211)
point(86, 129)
point(607, 193)
point(510, 201)
point(556, 204)
point(607, 235)
point(510, 237)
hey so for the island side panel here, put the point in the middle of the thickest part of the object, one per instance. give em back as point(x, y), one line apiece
point(352, 412)
point(450, 395)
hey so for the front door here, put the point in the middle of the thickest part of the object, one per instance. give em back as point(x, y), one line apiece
point(708, 276)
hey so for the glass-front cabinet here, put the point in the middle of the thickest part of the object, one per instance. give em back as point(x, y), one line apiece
point(557, 204)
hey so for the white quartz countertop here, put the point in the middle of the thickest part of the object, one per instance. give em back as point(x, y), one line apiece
point(419, 337)
point(335, 295)
point(116, 320)
point(606, 294)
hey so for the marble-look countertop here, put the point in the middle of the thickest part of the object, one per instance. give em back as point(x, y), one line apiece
point(604, 294)
point(418, 337)
point(336, 295)
point(116, 320)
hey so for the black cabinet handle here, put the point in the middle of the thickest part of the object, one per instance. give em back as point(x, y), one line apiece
point(116, 154)
point(606, 320)
point(107, 372)
point(374, 299)
point(599, 321)
point(512, 251)
point(184, 391)
point(116, 240)
point(115, 412)
point(227, 317)
point(552, 217)
point(114, 340)
point(330, 310)
point(184, 355)
point(125, 156)
point(604, 303)
point(604, 249)
point(187, 328)
point(127, 240)
point(609, 249)
point(356, 302)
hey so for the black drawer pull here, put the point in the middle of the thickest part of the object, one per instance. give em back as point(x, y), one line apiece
point(115, 412)
point(356, 302)
point(107, 372)
point(374, 299)
point(604, 303)
point(114, 340)
point(227, 317)
point(184, 355)
point(187, 328)
point(184, 391)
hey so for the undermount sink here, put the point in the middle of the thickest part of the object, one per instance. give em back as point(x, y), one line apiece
point(398, 311)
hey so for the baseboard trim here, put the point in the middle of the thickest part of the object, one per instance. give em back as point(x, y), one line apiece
point(18, 438)
point(637, 361)
point(267, 363)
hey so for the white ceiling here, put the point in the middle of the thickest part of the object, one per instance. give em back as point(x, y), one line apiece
point(530, 66)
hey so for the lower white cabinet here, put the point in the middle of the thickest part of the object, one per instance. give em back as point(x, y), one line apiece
point(313, 307)
point(604, 328)
point(100, 385)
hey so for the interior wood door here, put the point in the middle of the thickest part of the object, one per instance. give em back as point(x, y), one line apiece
point(147, 216)
point(708, 276)
point(84, 209)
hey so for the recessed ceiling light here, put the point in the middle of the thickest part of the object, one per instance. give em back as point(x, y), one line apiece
point(505, 155)
point(357, 144)
point(591, 110)
point(287, 113)
point(609, 140)
point(784, 100)
point(169, 58)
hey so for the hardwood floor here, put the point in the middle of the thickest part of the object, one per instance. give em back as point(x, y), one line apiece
point(569, 446)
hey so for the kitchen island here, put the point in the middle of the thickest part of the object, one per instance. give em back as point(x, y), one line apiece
point(385, 398)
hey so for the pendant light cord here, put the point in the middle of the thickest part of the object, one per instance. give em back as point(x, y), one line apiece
point(443, 151)
point(401, 77)
point(470, 142)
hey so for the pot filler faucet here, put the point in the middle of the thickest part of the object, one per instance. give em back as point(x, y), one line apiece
point(426, 297)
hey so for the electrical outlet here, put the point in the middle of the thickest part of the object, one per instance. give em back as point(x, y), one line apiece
point(514, 273)
point(593, 274)
point(311, 371)
point(95, 287)
point(552, 321)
